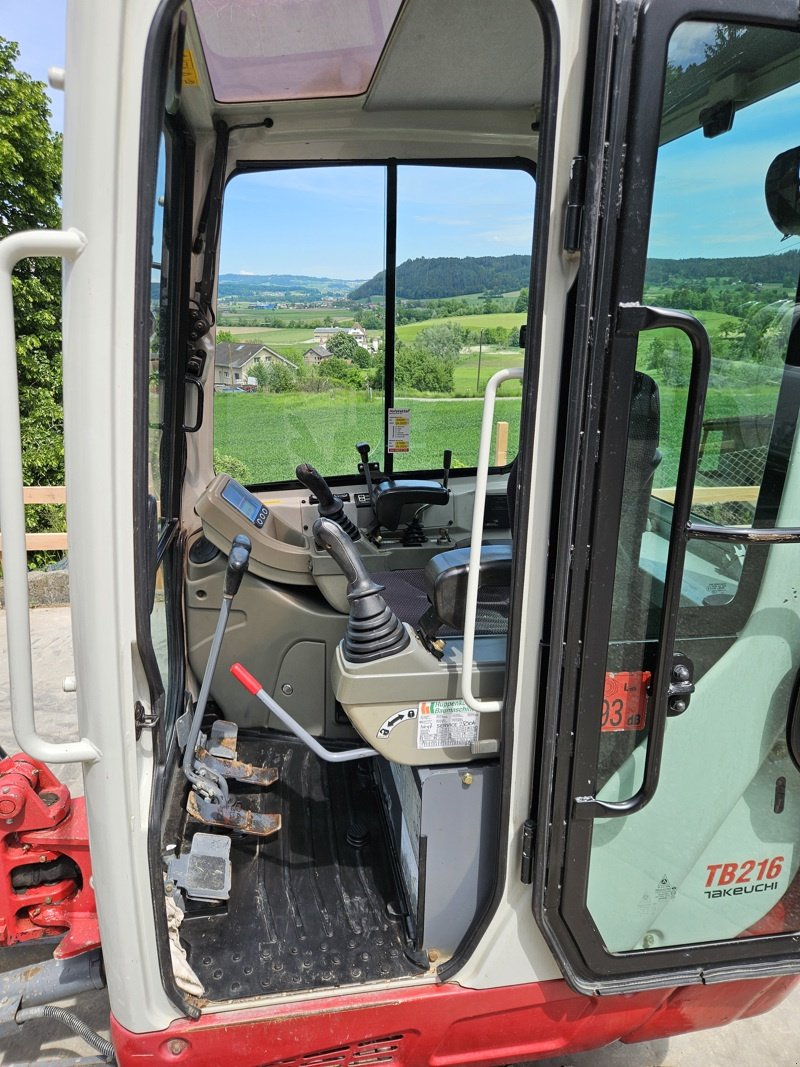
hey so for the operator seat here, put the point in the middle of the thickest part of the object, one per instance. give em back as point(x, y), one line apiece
point(445, 577)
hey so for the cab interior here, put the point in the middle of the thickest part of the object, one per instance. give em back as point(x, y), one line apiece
point(289, 862)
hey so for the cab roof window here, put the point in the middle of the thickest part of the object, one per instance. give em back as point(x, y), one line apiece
point(292, 49)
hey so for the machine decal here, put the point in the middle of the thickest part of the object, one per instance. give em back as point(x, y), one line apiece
point(743, 873)
point(190, 76)
point(625, 701)
point(399, 430)
point(446, 724)
point(395, 720)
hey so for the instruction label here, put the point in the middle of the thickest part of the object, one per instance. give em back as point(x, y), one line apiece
point(446, 724)
point(399, 430)
point(189, 74)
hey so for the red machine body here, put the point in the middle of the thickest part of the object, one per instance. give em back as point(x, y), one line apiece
point(45, 869)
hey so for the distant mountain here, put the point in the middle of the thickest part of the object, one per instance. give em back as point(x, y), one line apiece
point(422, 279)
point(780, 269)
point(292, 287)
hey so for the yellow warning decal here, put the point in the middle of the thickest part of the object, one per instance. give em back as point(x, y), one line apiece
point(189, 76)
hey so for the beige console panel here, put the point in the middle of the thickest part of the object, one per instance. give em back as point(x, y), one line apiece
point(409, 707)
point(280, 551)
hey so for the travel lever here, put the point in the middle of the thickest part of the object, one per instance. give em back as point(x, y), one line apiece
point(329, 506)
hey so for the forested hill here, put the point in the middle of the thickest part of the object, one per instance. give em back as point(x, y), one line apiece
point(420, 279)
point(780, 269)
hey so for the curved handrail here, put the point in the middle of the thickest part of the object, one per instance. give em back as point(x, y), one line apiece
point(481, 479)
point(63, 244)
point(633, 319)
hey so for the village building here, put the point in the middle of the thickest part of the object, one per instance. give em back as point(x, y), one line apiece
point(234, 363)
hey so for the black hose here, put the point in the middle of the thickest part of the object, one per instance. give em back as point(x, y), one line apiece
point(76, 1025)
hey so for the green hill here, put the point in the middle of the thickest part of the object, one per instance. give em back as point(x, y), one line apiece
point(424, 279)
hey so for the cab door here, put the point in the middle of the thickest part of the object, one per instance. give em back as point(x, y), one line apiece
point(668, 816)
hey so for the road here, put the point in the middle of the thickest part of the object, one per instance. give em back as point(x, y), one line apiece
point(772, 1039)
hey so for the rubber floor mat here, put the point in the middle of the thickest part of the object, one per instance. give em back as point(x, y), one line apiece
point(316, 905)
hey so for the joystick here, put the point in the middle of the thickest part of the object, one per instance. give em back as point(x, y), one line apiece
point(373, 629)
point(329, 506)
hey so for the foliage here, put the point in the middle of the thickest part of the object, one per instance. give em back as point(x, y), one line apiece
point(279, 378)
point(419, 368)
point(224, 336)
point(344, 346)
point(260, 372)
point(227, 464)
point(30, 184)
point(521, 303)
point(451, 276)
point(337, 370)
point(443, 341)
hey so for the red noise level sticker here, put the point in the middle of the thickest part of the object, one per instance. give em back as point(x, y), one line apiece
point(625, 701)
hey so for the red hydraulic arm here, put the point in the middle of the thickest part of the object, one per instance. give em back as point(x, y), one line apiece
point(45, 870)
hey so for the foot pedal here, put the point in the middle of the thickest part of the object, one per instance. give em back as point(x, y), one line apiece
point(205, 871)
point(232, 817)
point(222, 739)
point(218, 753)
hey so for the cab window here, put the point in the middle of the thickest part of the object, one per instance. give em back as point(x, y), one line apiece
point(368, 303)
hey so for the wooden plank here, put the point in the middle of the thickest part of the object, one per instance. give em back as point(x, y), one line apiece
point(43, 542)
point(44, 494)
point(715, 494)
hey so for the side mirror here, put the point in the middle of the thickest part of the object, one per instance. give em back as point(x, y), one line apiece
point(782, 192)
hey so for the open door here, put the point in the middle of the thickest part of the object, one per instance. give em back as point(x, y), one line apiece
point(668, 820)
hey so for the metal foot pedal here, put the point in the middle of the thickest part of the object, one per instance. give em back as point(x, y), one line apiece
point(205, 871)
point(219, 755)
point(232, 817)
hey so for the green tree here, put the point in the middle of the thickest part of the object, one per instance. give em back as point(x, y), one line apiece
point(280, 378)
point(443, 342)
point(260, 372)
point(418, 368)
point(30, 184)
point(522, 301)
point(225, 336)
point(343, 346)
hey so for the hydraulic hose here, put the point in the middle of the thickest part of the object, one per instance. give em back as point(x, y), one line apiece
point(76, 1025)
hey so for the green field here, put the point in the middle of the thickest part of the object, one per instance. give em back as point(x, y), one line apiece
point(271, 434)
point(272, 336)
point(503, 320)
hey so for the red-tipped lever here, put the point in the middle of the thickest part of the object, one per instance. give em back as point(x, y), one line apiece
point(245, 678)
point(241, 674)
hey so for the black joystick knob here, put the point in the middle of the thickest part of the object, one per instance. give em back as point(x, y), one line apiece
point(328, 505)
point(238, 562)
point(363, 450)
point(373, 629)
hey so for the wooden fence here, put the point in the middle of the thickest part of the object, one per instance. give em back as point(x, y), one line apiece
point(44, 542)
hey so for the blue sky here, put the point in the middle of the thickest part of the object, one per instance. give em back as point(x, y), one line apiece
point(330, 222)
point(38, 27)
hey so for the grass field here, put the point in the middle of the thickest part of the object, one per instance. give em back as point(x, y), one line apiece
point(501, 320)
point(271, 434)
point(267, 335)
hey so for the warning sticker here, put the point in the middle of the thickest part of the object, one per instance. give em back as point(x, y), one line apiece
point(189, 73)
point(446, 724)
point(399, 430)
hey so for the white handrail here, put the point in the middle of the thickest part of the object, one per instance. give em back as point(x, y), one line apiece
point(481, 478)
point(66, 244)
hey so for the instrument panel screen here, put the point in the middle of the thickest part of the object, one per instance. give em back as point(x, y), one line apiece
point(249, 506)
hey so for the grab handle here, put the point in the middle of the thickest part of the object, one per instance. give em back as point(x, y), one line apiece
point(63, 244)
point(473, 575)
point(670, 680)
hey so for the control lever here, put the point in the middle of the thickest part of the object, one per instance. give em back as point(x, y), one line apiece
point(446, 464)
point(373, 629)
point(363, 450)
point(209, 800)
point(328, 505)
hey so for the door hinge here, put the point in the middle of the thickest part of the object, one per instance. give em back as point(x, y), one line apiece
point(526, 868)
point(576, 200)
point(143, 720)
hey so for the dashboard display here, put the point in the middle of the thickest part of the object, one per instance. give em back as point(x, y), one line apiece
point(249, 506)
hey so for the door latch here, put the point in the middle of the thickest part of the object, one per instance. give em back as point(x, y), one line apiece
point(681, 684)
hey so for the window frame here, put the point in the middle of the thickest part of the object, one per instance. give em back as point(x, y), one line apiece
point(391, 167)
